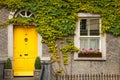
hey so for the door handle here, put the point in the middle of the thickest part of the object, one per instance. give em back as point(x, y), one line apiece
point(26, 54)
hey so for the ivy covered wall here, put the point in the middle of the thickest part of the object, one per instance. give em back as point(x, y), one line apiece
point(61, 15)
point(56, 20)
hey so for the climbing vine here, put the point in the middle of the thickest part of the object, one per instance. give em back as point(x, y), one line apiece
point(62, 14)
point(68, 49)
point(56, 19)
point(21, 21)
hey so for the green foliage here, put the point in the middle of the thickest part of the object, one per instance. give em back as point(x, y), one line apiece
point(70, 48)
point(61, 15)
point(21, 21)
point(12, 4)
point(56, 19)
point(115, 28)
point(37, 63)
point(8, 64)
point(58, 71)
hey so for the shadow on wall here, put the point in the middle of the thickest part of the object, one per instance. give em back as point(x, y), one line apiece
point(1, 69)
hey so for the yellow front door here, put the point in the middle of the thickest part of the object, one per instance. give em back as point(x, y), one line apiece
point(25, 50)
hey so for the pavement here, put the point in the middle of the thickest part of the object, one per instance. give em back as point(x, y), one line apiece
point(23, 78)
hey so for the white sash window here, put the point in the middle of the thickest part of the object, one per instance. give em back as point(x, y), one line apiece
point(88, 35)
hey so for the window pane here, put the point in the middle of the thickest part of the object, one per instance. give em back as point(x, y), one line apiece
point(28, 13)
point(83, 24)
point(94, 26)
point(94, 43)
point(89, 43)
point(83, 27)
point(83, 32)
point(84, 43)
point(23, 12)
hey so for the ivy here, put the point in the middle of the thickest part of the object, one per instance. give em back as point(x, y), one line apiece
point(62, 14)
point(115, 28)
point(21, 21)
point(70, 48)
point(12, 4)
point(56, 19)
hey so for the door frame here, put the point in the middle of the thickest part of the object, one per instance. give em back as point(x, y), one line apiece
point(11, 41)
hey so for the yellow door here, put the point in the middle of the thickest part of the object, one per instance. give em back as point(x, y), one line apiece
point(25, 50)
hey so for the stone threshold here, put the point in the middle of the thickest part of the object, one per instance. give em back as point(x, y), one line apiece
point(23, 78)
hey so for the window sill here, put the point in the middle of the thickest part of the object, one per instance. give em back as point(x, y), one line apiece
point(85, 59)
point(45, 58)
point(76, 58)
point(93, 55)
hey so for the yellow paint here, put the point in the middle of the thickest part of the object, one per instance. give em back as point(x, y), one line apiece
point(25, 50)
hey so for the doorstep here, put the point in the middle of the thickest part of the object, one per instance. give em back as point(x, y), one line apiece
point(23, 78)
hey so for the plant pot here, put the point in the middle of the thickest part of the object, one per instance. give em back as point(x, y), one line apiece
point(37, 74)
point(93, 55)
point(8, 74)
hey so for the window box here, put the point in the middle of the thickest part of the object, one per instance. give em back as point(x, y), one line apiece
point(92, 55)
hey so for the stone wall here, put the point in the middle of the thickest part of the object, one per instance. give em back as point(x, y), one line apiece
point(3, 34)
point(3, 40)
point(110, 65)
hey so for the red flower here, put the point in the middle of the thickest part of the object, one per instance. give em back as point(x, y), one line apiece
point(83, 48)
point(98, 49)
point(90, 49)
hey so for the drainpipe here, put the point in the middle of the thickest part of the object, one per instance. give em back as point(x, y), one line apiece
point(46, 70)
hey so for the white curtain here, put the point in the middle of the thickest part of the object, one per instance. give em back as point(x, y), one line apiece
point(89, 43)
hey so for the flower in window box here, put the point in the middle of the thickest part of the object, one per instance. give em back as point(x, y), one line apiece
point(89, 53)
